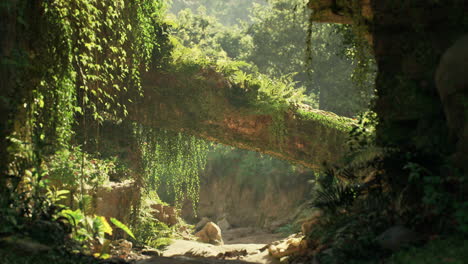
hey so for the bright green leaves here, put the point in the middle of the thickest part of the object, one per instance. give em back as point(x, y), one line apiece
point(90, 228)
point(68, 166)
point(122, 226)
point(107, 43)
point(173, 159)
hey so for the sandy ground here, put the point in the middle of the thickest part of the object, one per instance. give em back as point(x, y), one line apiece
point(253, 253)
point(248, 235)
point(242, 245)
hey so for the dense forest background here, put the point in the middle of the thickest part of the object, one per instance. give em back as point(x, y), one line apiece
point(272, 38)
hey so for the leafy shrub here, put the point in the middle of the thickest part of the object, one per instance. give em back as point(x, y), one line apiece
point(149, 230)
point(90, 231)
point(69, 167)
point(453, 250)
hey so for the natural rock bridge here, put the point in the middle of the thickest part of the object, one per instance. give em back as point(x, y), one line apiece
point(205, 104)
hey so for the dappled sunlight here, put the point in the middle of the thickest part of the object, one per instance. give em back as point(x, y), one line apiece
point(263, 131)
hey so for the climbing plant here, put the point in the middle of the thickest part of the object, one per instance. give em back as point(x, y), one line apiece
point(173, 159)
point(106, 45)
point(86, 61)
point(75, 61)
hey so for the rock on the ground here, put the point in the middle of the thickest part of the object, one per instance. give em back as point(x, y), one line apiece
point(202, 223)
point(116, 199)
point(395, 237)
point(211, 233)
point(121, 248)
point(151, 252)
point(165, 214)
point(292, 245)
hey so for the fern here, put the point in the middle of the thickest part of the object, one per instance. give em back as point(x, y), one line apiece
point(334, 193)
point(365, 155)
point(336, 196)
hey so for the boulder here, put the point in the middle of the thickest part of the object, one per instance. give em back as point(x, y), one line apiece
point(202, 223)
point(211, 233)
point(165, 214)
point(115, 199)
point(290, 246)
point(171, 214)
point(121, 248)
point(395, 237)
point(452, 84)
point(158, 211)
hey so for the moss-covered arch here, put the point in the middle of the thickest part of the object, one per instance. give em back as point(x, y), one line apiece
point(206, 104)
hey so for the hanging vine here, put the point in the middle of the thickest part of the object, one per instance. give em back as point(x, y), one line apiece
point(72, 59)
point(80, 57)
point(109, 43)
point(175, 159)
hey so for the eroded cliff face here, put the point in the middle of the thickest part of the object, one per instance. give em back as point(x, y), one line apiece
point(268, 199)
point(244, 206)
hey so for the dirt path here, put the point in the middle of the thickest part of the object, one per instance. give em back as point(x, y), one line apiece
point(187, 260)
point(242, 245)
point(248, 235)
point(253, 253)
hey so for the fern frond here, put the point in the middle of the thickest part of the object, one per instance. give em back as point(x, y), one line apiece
point(335, 196)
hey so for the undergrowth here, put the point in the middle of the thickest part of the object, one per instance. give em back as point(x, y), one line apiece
point(375, 188)
point(453, 249)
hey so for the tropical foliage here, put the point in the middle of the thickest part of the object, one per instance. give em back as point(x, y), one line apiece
point(71, 67)
point(272, 43)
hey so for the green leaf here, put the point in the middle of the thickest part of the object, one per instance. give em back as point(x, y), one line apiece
point(122, 226)
point(62, 192)
point(105, 226)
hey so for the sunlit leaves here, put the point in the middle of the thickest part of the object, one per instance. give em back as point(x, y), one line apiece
point(175, 159)
point(108, 43)
point(123, 227)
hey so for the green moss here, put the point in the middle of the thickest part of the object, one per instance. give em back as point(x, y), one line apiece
point(328, 119)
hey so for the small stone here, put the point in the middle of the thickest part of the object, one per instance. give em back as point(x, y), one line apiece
point(121, 247)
